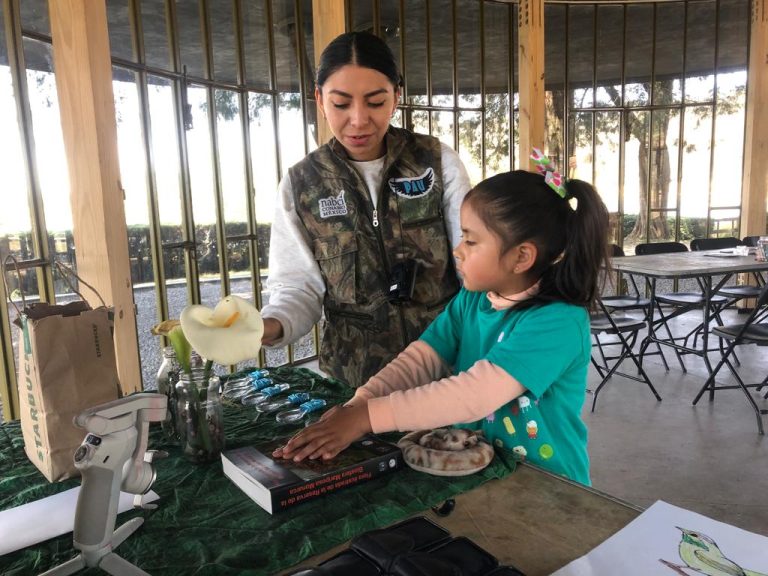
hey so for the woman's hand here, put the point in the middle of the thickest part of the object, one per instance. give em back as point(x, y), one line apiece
point(336, 430)
point(273, 331)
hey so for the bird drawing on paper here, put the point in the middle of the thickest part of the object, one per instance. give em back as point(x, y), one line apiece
point(701, 553)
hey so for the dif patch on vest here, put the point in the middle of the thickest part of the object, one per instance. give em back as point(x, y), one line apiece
point(413, 187)
point(333, 206)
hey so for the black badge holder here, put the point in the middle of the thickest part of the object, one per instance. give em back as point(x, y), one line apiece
point(402, 281)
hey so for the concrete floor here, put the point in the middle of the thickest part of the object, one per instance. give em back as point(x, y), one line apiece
point(707, 458)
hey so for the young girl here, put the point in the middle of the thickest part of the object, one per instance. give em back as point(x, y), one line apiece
point(516, 337)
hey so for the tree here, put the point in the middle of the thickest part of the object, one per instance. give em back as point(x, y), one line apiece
point(649, 129)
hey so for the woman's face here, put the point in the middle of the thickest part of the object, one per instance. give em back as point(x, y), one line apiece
point(358, 104)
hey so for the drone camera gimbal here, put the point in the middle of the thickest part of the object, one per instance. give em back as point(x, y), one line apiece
point(112, 457)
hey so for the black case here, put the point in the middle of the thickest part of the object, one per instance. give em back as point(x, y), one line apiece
point(349, 563)
point(414, 547)
point(383, 547)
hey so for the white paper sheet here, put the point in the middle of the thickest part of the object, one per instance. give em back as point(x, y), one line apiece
point(639, 548)
point(47, 518)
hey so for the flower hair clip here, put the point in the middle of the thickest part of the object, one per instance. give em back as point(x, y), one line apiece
point(552, 177)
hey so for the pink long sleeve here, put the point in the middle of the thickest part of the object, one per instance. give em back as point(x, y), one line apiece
point(416, 365)
point(463, 398)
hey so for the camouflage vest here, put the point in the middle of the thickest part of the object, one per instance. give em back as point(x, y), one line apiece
point(363, 330)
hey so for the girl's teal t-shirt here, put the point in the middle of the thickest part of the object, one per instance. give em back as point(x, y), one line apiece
point(547, 349)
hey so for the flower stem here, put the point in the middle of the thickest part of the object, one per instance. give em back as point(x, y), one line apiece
point(200, 410)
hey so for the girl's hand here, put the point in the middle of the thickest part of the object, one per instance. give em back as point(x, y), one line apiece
point(337, 429)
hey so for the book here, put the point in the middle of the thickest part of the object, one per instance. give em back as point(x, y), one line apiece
point(276, 484)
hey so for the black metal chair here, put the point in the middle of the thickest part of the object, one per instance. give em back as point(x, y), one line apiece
point(626, 301)
point(679, 302)
point(733, 293)
point(753, 331)
point(714, 243)
point(625, 328)
point(613, 320)
point(633, 301)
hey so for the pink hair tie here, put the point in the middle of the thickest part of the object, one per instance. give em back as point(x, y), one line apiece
point(552, 177)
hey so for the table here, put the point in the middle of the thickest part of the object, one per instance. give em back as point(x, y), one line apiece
point(205, 525)
point(533, 520)
point(703, 266)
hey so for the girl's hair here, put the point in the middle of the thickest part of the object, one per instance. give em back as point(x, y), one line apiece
point(571, 244)
point(360, 48)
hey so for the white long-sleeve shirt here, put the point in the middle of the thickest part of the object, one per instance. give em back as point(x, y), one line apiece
point(295, 284)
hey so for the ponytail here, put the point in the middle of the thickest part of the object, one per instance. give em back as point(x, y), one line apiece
point(575, 276)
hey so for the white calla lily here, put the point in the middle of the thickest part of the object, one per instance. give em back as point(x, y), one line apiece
point(228, 334)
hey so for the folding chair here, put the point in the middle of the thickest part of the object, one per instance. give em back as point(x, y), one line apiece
point(732, 293)
point(714, 243)
point(753, 331)
point(625, 328)
point(631, 302)
point(680, 302)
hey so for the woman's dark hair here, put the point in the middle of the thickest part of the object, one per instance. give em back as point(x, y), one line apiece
point(571, 244)
point(360, 48)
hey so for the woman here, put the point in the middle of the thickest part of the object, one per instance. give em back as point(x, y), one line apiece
point(365, 225)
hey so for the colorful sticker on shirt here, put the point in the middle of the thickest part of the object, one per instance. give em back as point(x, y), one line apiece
point(491, 418)
point(520, 452)
point(546, 451)
point(508, 425)
point(333, 206)
point(525, 403)
point(532, 428)
point(413, 187)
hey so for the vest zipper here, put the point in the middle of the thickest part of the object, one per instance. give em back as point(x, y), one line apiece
point(382, 247)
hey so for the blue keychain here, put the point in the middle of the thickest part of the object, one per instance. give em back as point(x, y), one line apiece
point(265, 393)
point(252, 385)
point(296, 414)
point(275, 405)
point(233, 385)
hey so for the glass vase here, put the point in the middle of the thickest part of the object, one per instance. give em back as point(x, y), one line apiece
point(167, 377)
point(199, 416)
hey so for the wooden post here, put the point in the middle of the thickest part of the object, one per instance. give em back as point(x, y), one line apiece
point(754, 184)
point(84, 82)
point(329, 21)
point(530, 25)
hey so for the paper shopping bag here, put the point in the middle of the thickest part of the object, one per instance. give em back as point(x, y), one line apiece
point(66, 364)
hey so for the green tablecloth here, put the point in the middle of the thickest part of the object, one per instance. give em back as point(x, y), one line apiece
point(205, 525)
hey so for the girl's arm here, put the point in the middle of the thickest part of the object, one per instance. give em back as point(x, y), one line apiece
point(295, 285)
point(418, 364)
point(466, 397)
